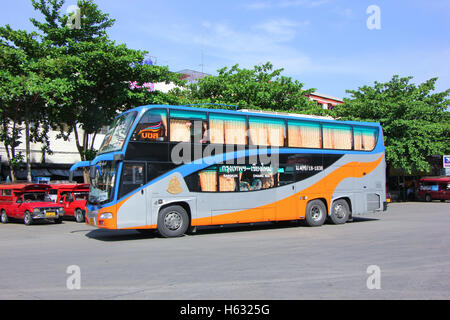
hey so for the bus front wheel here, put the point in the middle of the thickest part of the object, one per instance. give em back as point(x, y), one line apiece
point(173, 221)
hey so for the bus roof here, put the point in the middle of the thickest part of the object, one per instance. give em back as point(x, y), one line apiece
point(256, 113)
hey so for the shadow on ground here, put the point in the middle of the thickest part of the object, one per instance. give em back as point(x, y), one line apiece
point(126, 235)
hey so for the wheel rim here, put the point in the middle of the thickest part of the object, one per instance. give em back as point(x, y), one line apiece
point(27, 218)
point(79, 216)
point(339, 211)
point(316, 213)
point(173, 221)
point(4, 217)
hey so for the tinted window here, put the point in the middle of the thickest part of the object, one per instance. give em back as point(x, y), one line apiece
point(303, 134)
point(267, 131)
point(365, 138)
point(227, 129)
point(187, 126)
point(152, 126)
point(337, 136)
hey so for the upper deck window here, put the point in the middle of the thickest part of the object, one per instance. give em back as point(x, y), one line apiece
point(337, 136)
point(227, 129)
point(365, 138)
point(267, 131)
point(303, 134)
point(152, 126)
point(188, 126)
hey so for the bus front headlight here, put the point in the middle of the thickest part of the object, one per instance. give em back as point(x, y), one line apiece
point(106, 215)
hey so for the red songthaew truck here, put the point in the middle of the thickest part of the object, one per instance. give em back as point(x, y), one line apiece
point(28, 202)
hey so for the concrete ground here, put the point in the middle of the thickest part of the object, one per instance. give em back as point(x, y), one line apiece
point(403, 253)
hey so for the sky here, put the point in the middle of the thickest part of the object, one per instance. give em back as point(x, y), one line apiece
point(329, 45)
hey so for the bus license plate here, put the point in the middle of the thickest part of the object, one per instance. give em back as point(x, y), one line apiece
point(50, 214)
point(92, 221)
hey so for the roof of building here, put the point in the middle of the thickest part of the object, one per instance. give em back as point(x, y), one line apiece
point(326, 96)
point(192, 75)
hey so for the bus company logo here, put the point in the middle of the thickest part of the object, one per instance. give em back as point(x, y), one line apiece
point(151, 133)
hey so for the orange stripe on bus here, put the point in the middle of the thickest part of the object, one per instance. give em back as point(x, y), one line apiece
point(292, 207)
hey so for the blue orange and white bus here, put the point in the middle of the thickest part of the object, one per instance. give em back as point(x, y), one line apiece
point(173, 168)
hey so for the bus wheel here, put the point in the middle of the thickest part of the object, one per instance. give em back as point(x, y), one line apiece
point(4, 217)
point(173, 221)
point(316, 213)
point(428, 198)
point(340, 212)
point(27, 219)
point(79, 216)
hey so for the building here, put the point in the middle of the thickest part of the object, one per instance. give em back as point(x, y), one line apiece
point(326, 101)
point(192, 76)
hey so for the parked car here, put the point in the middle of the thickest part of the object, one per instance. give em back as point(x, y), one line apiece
point(434, 188)
point(73, 197)
point(29, 202)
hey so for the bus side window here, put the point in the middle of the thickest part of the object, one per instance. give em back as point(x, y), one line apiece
point(337, 136)
point(267, 131)
point(227, 129)
point(152, 126)
point(187, 126)
point(285, 175)
point(303, 134)
point(365, 138)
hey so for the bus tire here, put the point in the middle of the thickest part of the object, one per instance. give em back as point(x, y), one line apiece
point(27, 219)
point(340, 212)
point(316, 213)
point(79, 215)
point(428, 197)
point(173, 221)
point(4, 217)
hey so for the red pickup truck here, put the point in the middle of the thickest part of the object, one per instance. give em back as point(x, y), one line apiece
point(434, 188)
point(28, 202)
point(73, 197)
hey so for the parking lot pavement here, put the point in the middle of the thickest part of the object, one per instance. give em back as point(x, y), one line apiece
point(403, 253)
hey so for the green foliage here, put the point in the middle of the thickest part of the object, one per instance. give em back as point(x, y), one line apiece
point(415, 121)
point(260, 88)
point(72, 77)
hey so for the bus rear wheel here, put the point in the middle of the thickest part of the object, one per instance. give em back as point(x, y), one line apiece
point(316, 213)
point(340, 212)
point(173, 221)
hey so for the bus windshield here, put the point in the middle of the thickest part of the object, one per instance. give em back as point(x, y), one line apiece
point(117, 133)
point(102, 182)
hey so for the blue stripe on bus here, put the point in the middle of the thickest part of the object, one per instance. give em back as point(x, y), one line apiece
point(192, 167)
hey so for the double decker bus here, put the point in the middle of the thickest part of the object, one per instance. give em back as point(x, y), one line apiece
point(173, 168)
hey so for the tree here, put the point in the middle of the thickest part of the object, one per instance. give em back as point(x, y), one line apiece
point(415, 121)
point(24, 92)
point(260, 88)
point(97, 69)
